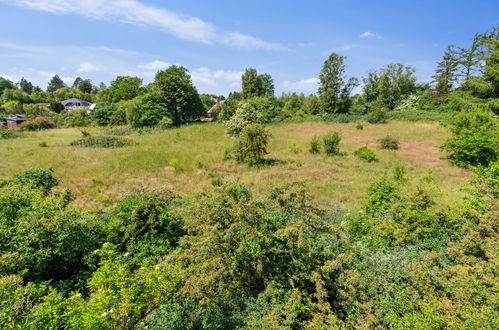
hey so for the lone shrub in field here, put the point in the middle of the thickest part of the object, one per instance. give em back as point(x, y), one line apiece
point(38, 123)
point(332, 143)
point(315, 146)
point(43, 144)
point(376, 117)
point(102, 142)
point(389, 143)
point(366, 154)
point(294, 147)
point(359, 126)
point(252, 144)
point(474, 139)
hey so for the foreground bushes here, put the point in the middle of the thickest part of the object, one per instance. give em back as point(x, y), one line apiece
point(229, 260)
point(474, 140)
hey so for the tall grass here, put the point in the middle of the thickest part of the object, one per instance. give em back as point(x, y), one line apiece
point(172, 158)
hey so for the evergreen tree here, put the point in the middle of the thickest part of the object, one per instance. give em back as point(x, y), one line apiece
point(55, 84)
point(445, 75)
point(25, 86)
point(77, 82)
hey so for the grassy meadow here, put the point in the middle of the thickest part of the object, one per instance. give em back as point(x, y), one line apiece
point(188, 160)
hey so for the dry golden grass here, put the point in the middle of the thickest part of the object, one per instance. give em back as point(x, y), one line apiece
point(188, 159)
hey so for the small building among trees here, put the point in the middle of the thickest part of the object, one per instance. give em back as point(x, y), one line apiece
point(12, 122)
point(74, 103)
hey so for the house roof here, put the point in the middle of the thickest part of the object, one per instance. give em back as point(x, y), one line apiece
point(17, 117)
point(73, 100)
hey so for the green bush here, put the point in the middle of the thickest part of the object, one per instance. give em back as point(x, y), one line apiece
point(143, 225)
point(37, 178)
point(78, 118)
point(102, 142)
point(332, 143)
point(359, 126)
point(294, 147)
point(43, 144)
point(376, 117)
point(251, 146)
point(165, 123)
point(474, 140)
point(366, 154)
point(42, 237)
point(388, 143)
point(315, 146)
point(8, 134)
point(245, 115)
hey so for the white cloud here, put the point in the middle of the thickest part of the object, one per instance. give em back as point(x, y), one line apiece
point(137, 13)
point(154, 65)
point(304, 86)
point(245, 41)
point(88, 67)
point(368, 34)
point(205, 77)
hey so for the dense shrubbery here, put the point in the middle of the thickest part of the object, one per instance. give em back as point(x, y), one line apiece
point(474, 138)
point(102, 142)
point(230, 260)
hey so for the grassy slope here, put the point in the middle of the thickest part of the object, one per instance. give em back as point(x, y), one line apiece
point(187, 159)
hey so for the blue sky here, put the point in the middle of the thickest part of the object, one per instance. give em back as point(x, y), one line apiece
point(216, 40)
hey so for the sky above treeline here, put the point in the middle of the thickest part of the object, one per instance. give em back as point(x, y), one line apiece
point(217, 40)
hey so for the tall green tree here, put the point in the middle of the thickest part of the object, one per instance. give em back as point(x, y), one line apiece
point(86, 86)
point(125, 88)
point(385, 89)
point(6, 84)
point(469, 61)
point(491, 58)
point(445, 74)
point(179, 94)
point(77, 83)
point(267, 84)
point(334, 90)
point(55, 83)
point(252, 84)
point(25, 86)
